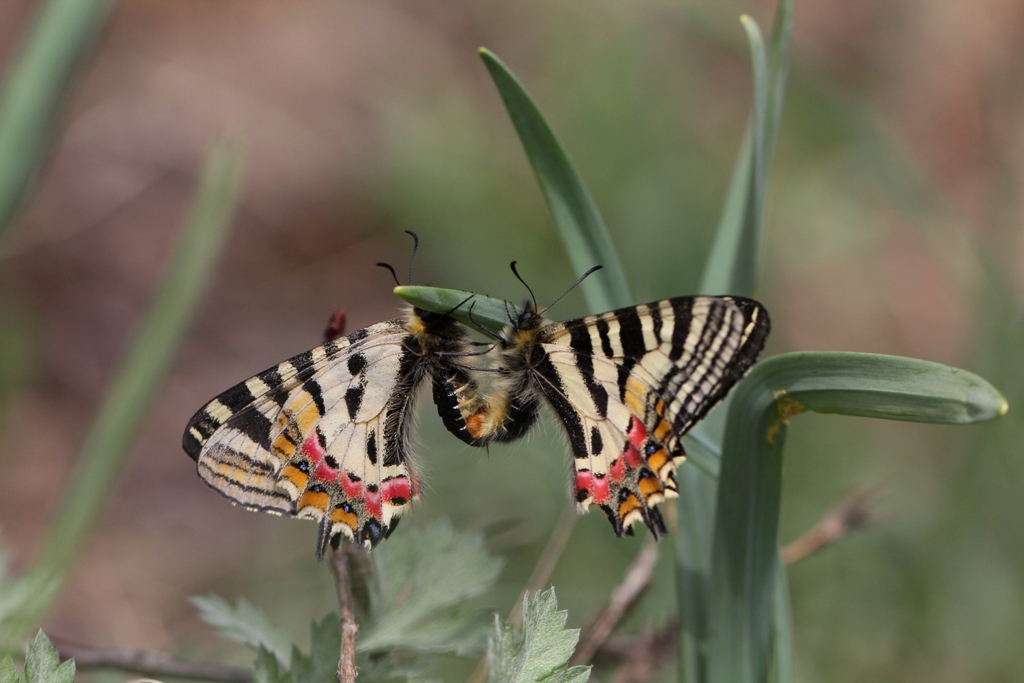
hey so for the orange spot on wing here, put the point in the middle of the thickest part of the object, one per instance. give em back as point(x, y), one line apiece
point(663, 430)
point(658, 459)
point(295, 476)
point(631, 504)
point(649, 486)
point(349, 519)
point(316, 500)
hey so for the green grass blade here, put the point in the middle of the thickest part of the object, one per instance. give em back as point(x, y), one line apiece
point(34, 89)
point(733, 264)
point(696, 516)
point(474, 310)
point(583, 231)
point(782, 629)
point(745, 552)
point(731, 269)
point(140, 376)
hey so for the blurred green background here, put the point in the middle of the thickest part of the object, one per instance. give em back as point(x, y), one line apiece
point(894, 226)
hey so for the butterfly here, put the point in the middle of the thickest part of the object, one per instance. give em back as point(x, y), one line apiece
point(325, 435)
point(626, 386)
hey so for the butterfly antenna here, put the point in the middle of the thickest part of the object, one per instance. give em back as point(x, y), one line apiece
point(575, 285)
point(393, 274)
point(481, 326)
point(519, 277)
point(415, 246)
point(459, 305)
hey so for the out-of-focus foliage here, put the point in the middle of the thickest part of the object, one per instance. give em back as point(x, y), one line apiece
point(422, 607)
point(245, 624)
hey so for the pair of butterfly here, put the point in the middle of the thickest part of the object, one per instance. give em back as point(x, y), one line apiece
point(325, 435)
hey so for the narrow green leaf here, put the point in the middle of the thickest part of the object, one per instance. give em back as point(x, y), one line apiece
point(583, 232)
point(244, 623)
point(542, 652)
point(62, 34)
point(733, 264)
point(696, 508)
point(468, 308)
point(782, 629)
point(745, 552)
point(139, 378)
point(42, 663)
point(732, 268)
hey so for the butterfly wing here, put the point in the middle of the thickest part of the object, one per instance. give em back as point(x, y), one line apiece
point(628, 384)
point(322, 436)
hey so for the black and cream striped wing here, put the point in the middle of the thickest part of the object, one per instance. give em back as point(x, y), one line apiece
point(628, 384)
point(321, 436)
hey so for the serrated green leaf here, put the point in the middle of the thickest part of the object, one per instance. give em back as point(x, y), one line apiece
point(422, 580)
point(42, 663)
point(244, 623)
point(582, 229)
point(542, 652)
point(321, 666)
point(468, 308)
point(9, 672)
point(268, 669)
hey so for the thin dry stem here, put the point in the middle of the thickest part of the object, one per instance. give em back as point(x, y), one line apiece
point(851, 514)
point(154, 664)
point(637, 579)
point(349, 628)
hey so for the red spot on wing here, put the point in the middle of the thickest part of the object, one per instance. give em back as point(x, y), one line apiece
point(352, 488)
point(601, 493)
point(396, 487)
point(584, 480)
point(636, 436)
point(321, 470)
point(617, 470)
point(372, 500)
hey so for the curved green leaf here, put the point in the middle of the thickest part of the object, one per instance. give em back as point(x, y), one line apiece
point(583, 231)
point(745, 552)
point(474, 310)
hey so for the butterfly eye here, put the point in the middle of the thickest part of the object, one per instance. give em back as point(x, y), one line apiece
point(303, 467)
point(316, 488)
point(650, 449)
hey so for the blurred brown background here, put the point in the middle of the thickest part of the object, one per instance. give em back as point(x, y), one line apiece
point(894, 226)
